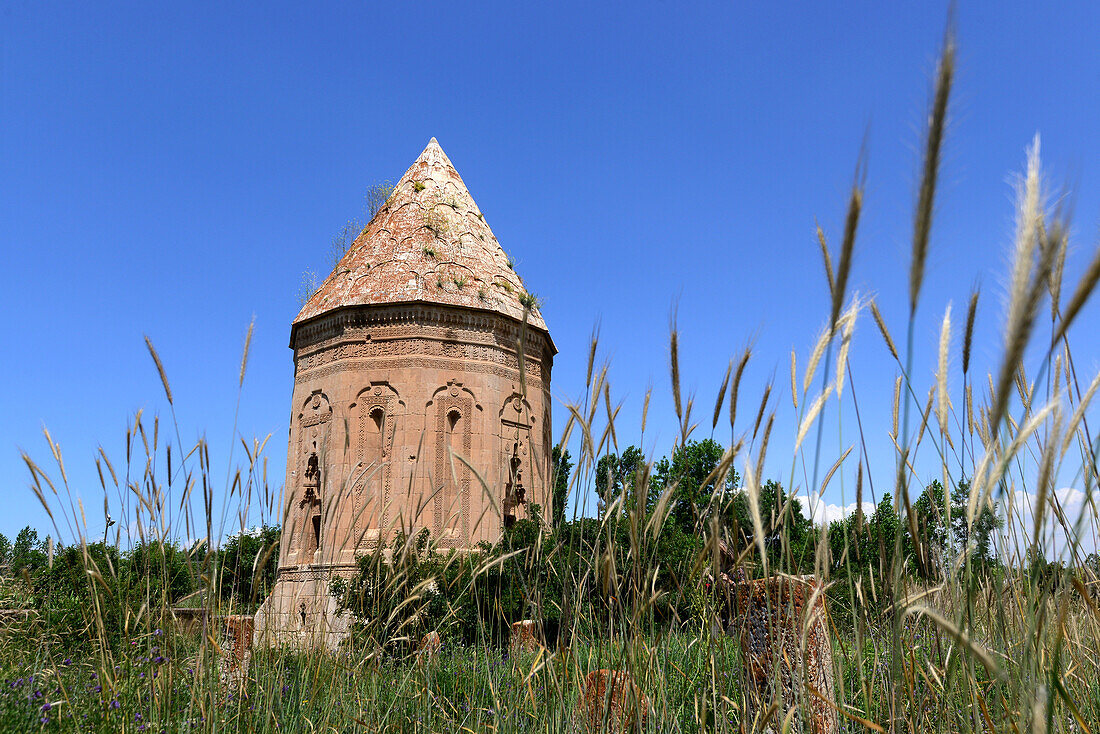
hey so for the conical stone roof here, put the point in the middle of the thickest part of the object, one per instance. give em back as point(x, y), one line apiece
point(428, 243)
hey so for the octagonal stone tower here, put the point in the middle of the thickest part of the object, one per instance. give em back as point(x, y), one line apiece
point(422, 346)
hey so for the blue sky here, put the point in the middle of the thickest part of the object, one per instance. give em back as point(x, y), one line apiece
point(172, 171)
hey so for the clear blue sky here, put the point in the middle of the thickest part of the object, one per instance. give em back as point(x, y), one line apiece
point(172, 172)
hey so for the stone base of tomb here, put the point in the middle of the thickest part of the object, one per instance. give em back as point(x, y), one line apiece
point(301, 612)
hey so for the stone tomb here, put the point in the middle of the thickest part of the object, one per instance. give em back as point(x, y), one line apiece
point(420, 356)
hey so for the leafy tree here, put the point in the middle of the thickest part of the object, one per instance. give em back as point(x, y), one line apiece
point(881, 543)
point(788, 534)
point(158, 573)
point(82, 591)
point(691, 465)
point(616, 477)
point(932, 546)
point(975, 540)
point(28, 552)
point(562, 465)
point(247, 565)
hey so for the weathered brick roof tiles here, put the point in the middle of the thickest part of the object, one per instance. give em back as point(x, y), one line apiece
point(428, 243)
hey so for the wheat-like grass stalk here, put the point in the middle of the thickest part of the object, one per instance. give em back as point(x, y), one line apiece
point(794, 381)
point(897, 401)
point(674, 356)
point(1029, 225)
point(826, 258)
point(811, 415)
point(1079, 413)
point(968, 333)
point(844, 264)
point(847, 327)
point(160, 368)
point(1081, 294)
point(883, 330)
point(815, 356)
point(735, 390)
point(721, 401)
point(1027, 288)
point(1046, 467)
point(943, 402)
point(760, 412)
point(937, 122)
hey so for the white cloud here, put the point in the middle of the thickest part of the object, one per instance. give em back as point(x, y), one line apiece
point(1069, 513)
point(822, 512)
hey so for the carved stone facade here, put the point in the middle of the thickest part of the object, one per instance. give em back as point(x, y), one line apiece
point(426, 414)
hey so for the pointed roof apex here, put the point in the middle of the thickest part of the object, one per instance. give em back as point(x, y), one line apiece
point(433, 155)
point(428, 243)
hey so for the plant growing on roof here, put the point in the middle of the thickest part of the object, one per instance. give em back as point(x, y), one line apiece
point(529, 301)
point(460, 282)
point(436, 223)
point(378, 195)
point(307, 287)
point(343, 240)
point(429, 251)
point(418, 186)
point(511, 263)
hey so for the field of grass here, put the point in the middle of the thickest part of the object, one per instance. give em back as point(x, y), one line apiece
point(945, 612)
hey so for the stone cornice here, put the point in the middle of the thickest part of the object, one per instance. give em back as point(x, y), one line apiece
point(333, 324)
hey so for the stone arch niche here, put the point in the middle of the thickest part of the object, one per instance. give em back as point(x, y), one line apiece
point(456, 418)
point(308, 532)
point(518, 459)
point(376, 409)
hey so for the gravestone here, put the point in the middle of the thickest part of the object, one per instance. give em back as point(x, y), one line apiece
point(785, 650)
point(610, 702)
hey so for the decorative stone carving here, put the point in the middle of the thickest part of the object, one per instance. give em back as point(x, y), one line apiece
point(377, 409)
point(454, 413)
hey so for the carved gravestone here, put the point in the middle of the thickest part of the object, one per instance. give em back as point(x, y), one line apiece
point(610, 701)
point(429, 646)
point(236, 646)
point(524, 637)
point(786, 652)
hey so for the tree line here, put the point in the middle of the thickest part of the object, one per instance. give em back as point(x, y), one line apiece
point(117, 591)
